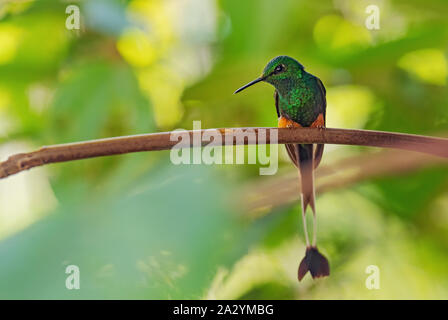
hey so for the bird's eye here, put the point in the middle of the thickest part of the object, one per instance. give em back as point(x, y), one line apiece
point(279, 68)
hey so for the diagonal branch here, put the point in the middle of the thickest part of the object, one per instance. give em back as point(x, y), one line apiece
point(164, 141)
point(260, 196)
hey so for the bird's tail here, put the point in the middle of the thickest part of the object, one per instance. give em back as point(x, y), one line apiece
point(313, 261)
point(306, 167)
point(318, 154)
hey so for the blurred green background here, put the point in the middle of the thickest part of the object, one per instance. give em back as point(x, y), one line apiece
point(139, 227)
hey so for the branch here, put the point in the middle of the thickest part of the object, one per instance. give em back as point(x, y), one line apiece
point(161, 141)
point(260, 196)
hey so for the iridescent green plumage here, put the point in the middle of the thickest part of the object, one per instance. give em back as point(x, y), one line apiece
point(301, 96)
point(300, 102)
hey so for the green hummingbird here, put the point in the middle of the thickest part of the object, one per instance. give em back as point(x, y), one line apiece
point(300, 102)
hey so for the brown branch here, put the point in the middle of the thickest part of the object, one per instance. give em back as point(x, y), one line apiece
point(260, 197)
point(161, 141)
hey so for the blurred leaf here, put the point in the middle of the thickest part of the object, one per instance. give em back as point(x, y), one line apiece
point(164, 238)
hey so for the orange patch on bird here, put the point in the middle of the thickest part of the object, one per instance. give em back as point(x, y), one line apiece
point(225, 131)
point(319, 122)
point(286, 123)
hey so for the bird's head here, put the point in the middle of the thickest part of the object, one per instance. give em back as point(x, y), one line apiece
point(279, 70)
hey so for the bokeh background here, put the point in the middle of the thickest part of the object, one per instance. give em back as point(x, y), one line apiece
point(140, 227)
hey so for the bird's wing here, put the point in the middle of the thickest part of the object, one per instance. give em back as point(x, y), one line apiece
point(323, 92)
point(323, 109)
point(276, 103)
point(290, 148)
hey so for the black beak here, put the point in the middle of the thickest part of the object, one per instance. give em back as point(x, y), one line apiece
point(249, 84)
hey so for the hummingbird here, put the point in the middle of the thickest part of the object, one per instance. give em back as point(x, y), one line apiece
point(300, 102)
